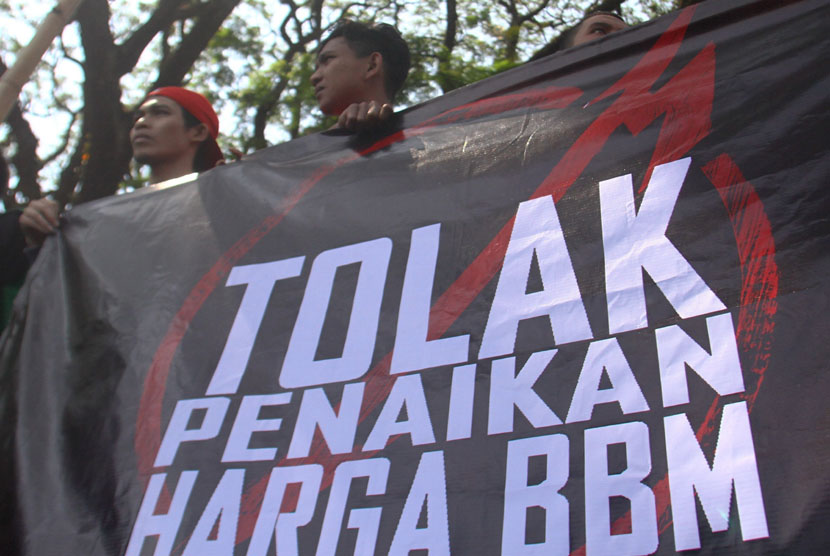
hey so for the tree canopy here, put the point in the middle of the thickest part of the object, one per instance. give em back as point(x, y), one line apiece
point(68, 134)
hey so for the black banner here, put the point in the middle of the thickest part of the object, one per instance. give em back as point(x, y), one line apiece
point(581, 307)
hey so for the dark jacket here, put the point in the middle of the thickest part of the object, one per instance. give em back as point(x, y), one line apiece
point(13, 261)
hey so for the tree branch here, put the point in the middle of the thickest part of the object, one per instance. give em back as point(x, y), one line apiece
point(26, 162)
point(129, 51)
point(451, 28)
point(67, 136)
point(69, 56)
point(70, 176)
point(269, 103)
point(180, 61)
point(529, 16)
point(605, 6)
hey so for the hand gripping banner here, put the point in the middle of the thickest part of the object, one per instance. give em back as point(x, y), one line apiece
point(577, 308)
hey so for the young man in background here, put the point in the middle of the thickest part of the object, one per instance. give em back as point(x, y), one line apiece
point(360, 69)
point(595, 25)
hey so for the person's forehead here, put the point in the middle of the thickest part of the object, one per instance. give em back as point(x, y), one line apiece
point(336, 45)
point(158, 100)
point(605, 20)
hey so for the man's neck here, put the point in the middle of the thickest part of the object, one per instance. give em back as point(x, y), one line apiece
point(169, 170)
point(380, 97)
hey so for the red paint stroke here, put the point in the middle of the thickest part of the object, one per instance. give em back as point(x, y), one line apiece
point(756, 249)
point(756, 316)
point(540, 99)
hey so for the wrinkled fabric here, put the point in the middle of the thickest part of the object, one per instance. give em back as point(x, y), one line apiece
point(173, 351)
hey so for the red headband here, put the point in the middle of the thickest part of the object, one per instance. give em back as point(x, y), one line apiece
point(202, 110)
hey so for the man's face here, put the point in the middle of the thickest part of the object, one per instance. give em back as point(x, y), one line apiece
point(596, 27)
point(339, 78)
point(159, 133)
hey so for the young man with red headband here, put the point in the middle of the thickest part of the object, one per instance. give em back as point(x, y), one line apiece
point(174, 133)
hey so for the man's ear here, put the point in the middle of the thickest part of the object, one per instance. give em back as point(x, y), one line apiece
point(375, 65)
point(198, 133)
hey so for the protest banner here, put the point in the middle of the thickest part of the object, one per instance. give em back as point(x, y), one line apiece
point(580, 307)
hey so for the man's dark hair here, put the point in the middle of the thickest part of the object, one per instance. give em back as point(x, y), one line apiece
point(571, 33)
point(364, 39)
point(566, 38)
point(201, 161)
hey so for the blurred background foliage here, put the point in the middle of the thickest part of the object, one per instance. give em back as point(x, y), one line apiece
point(68, 135)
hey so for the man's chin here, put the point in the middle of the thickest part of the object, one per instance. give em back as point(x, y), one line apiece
point(143, 158)
point(331, 109)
